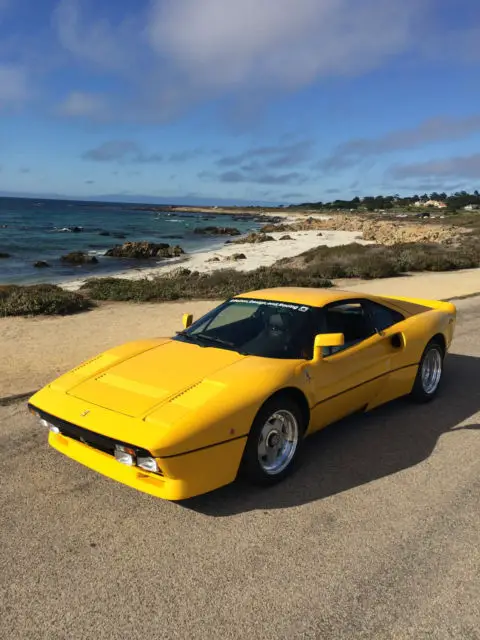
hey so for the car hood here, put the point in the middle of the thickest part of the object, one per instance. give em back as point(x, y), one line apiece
point(136, 386)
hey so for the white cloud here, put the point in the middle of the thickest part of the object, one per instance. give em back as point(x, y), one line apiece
point(82, 104)
point(177, 53)
point(457, 167)
point(14, 86)
point(282, 43)
point(431, 131)
point(99, 42)
point(121, 151)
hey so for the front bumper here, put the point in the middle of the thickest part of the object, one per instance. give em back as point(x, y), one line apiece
point(184, 476)
point(181, 476)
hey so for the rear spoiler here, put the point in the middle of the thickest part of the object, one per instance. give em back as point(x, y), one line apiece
point(447, 307)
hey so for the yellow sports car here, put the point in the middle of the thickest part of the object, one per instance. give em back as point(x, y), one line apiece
point(238, 391)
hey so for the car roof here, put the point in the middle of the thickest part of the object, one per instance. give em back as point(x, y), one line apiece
point(302, 295)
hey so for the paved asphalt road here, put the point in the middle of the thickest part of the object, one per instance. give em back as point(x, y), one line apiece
point(376, 536)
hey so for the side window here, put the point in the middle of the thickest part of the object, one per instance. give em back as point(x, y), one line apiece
point(382, 317)
point(351, 319)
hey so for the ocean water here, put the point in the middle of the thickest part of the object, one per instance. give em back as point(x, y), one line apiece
point(33, 230)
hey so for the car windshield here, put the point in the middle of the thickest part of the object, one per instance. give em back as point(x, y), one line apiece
point(264, 328)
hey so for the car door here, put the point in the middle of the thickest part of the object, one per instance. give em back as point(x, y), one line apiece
point(348, 378)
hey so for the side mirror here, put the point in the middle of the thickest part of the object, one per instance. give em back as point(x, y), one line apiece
point(187, 320)
point(326, 340)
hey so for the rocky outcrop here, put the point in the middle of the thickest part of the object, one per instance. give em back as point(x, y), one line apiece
point(4, 255)
point(144, 250)
point(78, 257)
point(236, 256)
point(119, 236)
point(217, 231)
point(287, 237)
point(41, 264)
point(74, 229)
point(215, 259)
point(255, 238)
point(387, 232)
point(272, 228)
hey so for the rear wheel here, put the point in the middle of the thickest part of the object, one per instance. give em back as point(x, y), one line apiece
point(274, 442)
point(430, 373)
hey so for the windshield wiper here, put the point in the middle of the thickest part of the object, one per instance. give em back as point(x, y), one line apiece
point(204, 336)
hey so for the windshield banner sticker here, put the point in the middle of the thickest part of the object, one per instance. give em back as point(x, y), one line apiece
point(269, 303)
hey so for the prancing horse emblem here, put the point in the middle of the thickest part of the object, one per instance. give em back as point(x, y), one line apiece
point(85, 413)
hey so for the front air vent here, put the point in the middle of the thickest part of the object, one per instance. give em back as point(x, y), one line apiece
point(86, 364)
point(182, 393)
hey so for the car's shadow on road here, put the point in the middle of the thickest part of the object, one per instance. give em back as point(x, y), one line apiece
point(362, 448)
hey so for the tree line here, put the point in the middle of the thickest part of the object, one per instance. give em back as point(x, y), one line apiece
point(454, 201)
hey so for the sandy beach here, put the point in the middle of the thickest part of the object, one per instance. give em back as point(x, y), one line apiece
point(264, 254)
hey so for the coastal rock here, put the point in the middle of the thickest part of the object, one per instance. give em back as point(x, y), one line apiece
point(181, 272)
point(78, 257)
point(4, 255)
point(213, 259)
point(287, 237)
point(236, 256)
point(255, 238)
point(144, 250)
point(41, 264)
point(269, 219)
point(217, 231)
point(74, 229)
point(272, 228)
point(384, 232)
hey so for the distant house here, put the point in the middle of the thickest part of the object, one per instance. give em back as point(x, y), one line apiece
point(431, 203)
point(471, 207)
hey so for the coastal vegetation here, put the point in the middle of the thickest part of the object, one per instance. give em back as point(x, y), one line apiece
point(380, 261)
point(183, 284)
point(454, 202)
point(41, 299)
point(396, 247)
point(314, 268)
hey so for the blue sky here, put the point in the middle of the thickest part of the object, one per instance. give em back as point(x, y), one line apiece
point(251, 100)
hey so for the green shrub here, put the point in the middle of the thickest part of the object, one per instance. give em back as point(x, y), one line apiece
point(370, 267)
point(220, 284)
point(40, 299)
point(378, 261)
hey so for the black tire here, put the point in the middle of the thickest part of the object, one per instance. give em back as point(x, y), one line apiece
point(253, 467)
point(425, 389)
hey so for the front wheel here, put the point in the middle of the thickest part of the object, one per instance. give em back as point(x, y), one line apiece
point(430, 373)
point(274, 442)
